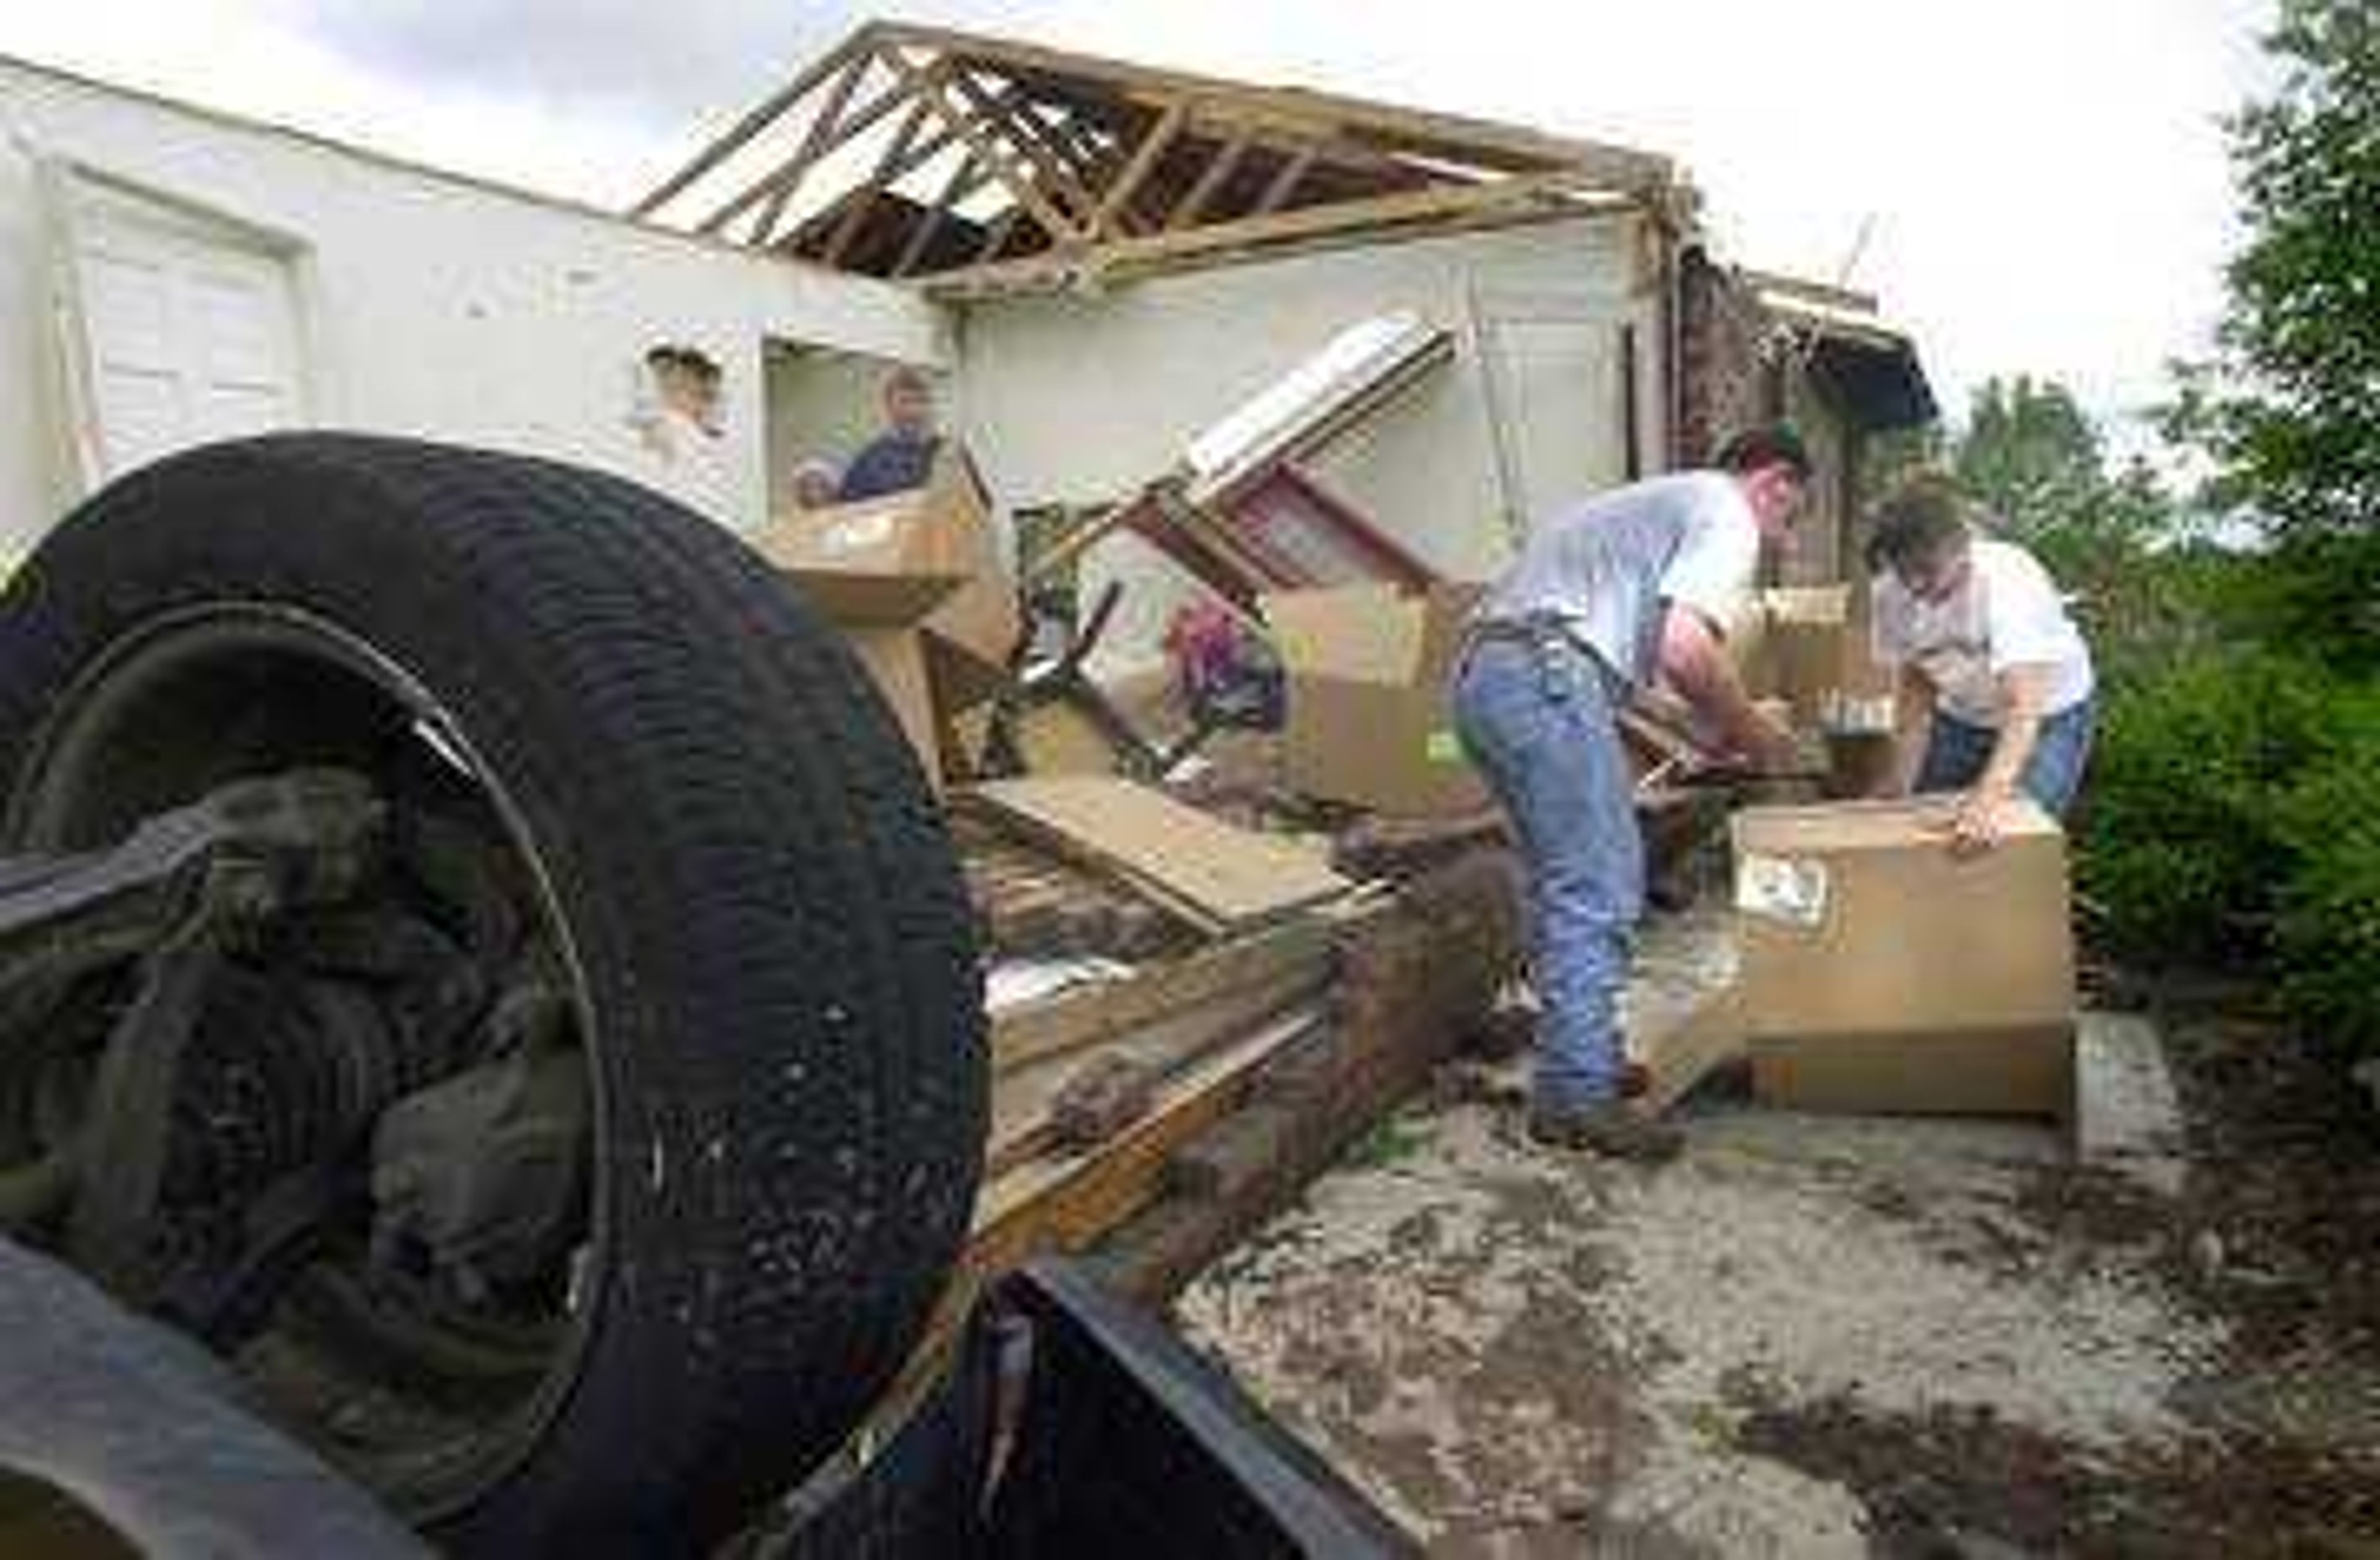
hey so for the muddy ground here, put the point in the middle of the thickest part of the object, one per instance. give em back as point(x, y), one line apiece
point(1819, 1337)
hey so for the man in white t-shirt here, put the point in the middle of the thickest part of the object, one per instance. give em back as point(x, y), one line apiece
point(1637, 582)
point(1996, 683)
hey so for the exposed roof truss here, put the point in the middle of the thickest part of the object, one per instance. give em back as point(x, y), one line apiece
point(971, 163)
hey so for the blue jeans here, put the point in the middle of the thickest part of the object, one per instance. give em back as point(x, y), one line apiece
point(1957, 750)
point(1537, 720)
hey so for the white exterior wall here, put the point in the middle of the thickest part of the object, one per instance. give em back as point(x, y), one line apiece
point(430, 305)
point(1083, 398)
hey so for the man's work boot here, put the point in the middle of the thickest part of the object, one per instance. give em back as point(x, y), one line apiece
point(1606, 1127)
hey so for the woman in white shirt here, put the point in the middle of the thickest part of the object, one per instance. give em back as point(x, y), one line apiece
point(1996, 683)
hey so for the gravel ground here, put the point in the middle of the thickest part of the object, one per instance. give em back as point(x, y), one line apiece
point(1811, 1336)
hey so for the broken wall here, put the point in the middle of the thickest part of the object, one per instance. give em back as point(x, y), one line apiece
point(1075, 399)
point(417, 302)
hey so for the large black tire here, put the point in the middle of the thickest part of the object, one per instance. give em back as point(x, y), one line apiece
point(771, 929)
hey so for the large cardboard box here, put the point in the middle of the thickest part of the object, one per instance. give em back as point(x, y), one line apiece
point(895, 660)
point(1882, 973)
point(1367, 719)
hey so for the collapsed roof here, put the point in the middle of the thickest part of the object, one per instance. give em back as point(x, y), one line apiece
point(973, 164)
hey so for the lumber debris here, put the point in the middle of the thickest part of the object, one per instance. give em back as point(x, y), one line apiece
point(1216, 877)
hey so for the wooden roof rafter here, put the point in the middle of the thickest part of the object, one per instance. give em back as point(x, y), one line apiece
point(1083, 167)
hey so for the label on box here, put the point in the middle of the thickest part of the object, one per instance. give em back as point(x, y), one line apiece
point(860, 533)
point(1443, 747)
point(1781, 888)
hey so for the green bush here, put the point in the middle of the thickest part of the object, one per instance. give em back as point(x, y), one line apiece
point(2233, 819)
point(2326, 940)
point(2182, 848)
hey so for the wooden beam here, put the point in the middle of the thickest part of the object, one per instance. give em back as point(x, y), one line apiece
point(760, 118)
point(964, 181)
point(1087, 1016)
point(1285, 181)
point(995, 235)
point(1063, 1204)
point(1219, 168)
point(1024, 189)
point(825, 130)
point(788, 176)
point(864, 198)
point(1023, 133)
point(1114, 204)
point(1513, 147)
point(1505, 200)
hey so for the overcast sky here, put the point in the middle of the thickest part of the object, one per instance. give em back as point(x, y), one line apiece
point(2043, 181)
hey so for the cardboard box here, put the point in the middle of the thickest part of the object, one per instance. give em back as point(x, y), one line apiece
point(895, 660)
point(882, 562)
point(1881, 972)
point(927, 557)
point(1367, 719)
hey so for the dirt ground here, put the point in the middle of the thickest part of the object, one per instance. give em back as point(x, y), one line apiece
point(1818, 1336)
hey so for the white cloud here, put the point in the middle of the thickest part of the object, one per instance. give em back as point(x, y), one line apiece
point(2044, 179)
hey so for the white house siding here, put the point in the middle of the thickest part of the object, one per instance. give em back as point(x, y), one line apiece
point(1075, 399)
point(426, 304)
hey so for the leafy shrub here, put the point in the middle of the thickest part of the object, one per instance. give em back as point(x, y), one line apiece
point(2181, 848)
point(2327, 937)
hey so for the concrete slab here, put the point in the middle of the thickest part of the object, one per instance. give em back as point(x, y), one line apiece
point(2127, 1115)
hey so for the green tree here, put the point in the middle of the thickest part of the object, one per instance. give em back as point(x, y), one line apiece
point(2290, 408)
point(2029, 452)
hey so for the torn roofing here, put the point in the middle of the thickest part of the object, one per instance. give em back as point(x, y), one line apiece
point(918, 153)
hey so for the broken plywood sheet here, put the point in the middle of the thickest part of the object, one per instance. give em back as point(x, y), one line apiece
point(1216, 874)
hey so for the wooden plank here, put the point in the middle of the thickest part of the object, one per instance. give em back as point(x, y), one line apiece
point(1087, 1015)
point(1022, 1123)
point(1116, 209)
point(1211, 179)
point(826, 129)
point(1234, 877)
point(1027, 193)
point(964, 181)
point(1030, 138)
point(1065, 1204)
point(1285, 181)
point(1505, 200)
point(760, 119)
point(1414, 129)
point(887, 170)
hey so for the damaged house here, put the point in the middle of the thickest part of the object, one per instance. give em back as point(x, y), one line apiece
point(1098, 261)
